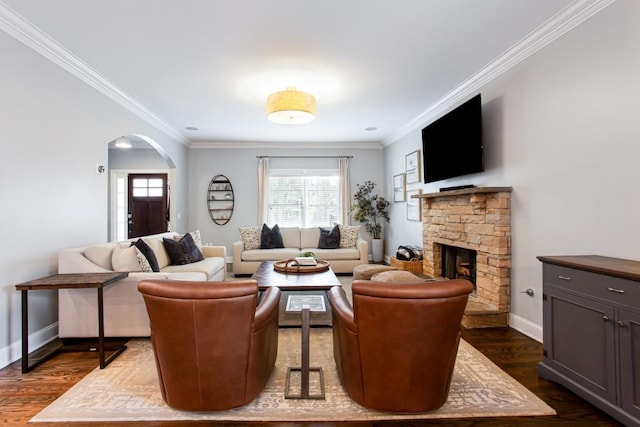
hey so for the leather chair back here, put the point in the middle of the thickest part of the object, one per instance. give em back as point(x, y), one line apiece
point(395, 349)
point(214, 346)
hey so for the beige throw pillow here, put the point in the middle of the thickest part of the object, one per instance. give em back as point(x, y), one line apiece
point(129, 258)
point(251, 237)
point(348, 235)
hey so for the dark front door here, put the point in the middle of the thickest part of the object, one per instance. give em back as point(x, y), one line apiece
point(147, 204)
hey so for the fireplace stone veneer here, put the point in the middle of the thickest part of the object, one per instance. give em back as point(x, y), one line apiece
point(478, 219)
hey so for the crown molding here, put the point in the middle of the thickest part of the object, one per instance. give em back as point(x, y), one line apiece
point(24, 31)
point(571, 16)
point(242, 145)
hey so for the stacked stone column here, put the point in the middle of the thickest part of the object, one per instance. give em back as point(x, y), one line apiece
point(478, 219)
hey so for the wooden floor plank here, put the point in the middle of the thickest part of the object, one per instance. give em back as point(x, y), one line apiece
point(23, 396)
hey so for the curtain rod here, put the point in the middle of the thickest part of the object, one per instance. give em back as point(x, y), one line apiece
point(304, 157)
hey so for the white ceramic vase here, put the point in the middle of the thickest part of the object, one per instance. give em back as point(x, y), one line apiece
point(377, 250)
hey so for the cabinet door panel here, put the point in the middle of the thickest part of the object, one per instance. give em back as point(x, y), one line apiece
point(630, 361)
point(582, 341)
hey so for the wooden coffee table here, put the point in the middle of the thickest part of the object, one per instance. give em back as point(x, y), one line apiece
point(295, 284)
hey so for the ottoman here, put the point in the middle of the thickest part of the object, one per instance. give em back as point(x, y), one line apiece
point(396, 277)
point(365, 271)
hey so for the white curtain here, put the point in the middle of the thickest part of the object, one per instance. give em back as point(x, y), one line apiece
point(263, 190)
point(345, 190)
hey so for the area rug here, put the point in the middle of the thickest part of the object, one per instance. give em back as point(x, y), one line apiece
point(127, 390)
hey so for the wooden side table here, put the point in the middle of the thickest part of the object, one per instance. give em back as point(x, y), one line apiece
point(304, 305)
point(68, 281)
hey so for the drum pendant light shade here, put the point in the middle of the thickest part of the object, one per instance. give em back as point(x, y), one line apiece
point(291, 107)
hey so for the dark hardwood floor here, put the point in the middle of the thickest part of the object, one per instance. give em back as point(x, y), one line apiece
point(23, 396)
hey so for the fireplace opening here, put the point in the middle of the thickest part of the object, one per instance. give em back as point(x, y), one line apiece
point(459, 263)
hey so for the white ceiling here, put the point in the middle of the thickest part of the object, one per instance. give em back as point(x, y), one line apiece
point(211, 63)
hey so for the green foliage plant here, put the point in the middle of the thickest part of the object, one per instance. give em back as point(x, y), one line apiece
point(370, 209)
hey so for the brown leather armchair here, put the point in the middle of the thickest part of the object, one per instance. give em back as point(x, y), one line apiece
point(214, 348)
point(395, 349)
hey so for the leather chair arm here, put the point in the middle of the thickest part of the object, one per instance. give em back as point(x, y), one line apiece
point(342, 308)
point(270, 303)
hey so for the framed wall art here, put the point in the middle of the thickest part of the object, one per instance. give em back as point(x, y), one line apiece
point(414, 206)
point(399, 187)
point(412, 167)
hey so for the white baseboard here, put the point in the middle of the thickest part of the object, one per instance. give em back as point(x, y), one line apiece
point(13, 352)
point(530, 329)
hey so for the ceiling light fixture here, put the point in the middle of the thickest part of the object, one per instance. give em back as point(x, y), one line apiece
point(122, 142)
point(291, 107)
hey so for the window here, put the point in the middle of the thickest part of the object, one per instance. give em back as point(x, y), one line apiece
point(121, 208)
point(298, 198)
point(147, 187)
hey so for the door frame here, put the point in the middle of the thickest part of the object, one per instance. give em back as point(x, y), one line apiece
point(117, 173)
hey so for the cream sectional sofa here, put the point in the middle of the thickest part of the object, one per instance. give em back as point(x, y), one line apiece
point(125, 314)
point(297, 240)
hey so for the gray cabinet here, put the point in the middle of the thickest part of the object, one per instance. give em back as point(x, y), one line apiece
point(591, 331)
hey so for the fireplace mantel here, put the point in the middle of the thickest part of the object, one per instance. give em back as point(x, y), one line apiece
point(461, 192)
point(479, 219)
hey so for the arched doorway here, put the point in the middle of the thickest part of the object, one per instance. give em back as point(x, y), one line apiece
point(140, 188)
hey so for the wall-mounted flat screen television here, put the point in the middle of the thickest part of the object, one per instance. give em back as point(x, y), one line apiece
point(452, 145)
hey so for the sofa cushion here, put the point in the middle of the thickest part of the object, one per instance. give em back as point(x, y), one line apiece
point(270, 254)
point(270, 238)
point(100, 255)
point(208, 266)
point(148, 254)
point(251, 237)
point(290, 237)
point(309, 237)
point(349, 235)
point(335, 254)
point(329, 238)
point(160, 252)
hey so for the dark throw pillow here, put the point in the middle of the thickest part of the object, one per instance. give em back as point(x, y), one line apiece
point(329, 238)
point(148, 254)
point(193, 252)
point(183, 251)
point(271, 237)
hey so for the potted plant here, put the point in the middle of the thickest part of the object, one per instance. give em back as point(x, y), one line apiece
point(371, 209)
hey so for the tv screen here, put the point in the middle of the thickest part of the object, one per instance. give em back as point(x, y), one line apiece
point(452, 145)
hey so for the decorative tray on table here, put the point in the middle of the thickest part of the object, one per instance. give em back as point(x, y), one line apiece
point(293, 266)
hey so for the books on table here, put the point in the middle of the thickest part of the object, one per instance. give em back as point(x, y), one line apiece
point(306, 260)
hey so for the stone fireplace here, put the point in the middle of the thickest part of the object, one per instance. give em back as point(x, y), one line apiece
point(473, 226)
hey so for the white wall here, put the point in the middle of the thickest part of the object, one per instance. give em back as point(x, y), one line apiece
point(562, 129)
point(241, 167)
point(54, 129)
